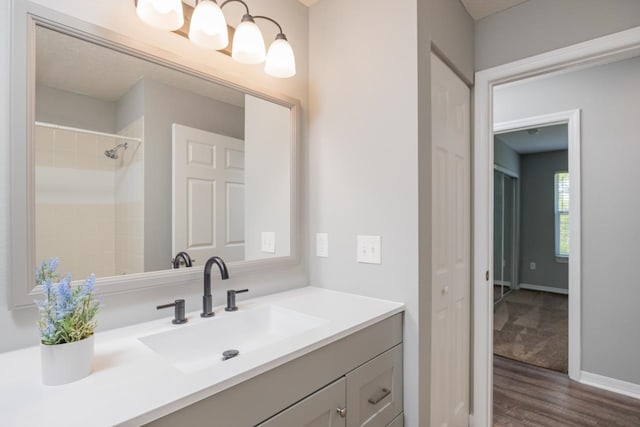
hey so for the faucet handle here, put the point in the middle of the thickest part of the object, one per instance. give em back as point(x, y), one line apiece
point(231, 299)
point(178, 317)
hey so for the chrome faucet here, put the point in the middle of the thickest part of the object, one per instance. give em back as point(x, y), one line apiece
point(207, 303)
point(188, 262)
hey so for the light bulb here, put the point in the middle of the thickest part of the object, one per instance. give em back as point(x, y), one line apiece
point(248, 44)
point(208, 27)
point(161, 14)
point(281, 61)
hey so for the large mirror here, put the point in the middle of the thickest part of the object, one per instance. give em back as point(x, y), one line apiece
point(135, 162)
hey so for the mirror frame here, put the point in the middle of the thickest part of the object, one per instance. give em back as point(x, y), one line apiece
point(26, 16)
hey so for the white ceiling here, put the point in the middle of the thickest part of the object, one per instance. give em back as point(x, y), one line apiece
point(549, 138)
point(70, 64)
point(478, 9)
point(67, 63)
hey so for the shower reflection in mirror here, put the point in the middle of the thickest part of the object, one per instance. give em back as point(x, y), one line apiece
point(90, 198)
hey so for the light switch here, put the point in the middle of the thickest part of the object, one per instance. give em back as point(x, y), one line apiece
point(322, 245)
point(268, 242)
point(532, 266)
point(369, 249)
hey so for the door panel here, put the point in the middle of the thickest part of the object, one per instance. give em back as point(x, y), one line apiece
point(208, 195)
point(451, 224)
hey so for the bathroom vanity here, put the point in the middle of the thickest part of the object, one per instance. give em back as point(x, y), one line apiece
point(309, 356)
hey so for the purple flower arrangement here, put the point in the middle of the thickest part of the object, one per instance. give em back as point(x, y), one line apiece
point(66, 314)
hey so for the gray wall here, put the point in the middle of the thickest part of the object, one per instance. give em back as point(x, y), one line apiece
point(130, 106)
point(448, 28)
point(505, 156)
point(537, 220)
point(267, 160)
point(164, 105)
point(538, 26)
point(18, 327)
point(69, 109)
point(369, 155)
point(609, 98)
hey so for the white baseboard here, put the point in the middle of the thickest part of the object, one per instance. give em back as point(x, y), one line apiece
point(610, 384)
point(501, 283)
point(544, 288)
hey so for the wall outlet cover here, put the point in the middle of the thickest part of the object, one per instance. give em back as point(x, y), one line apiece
point(532, 266)
point(322, 245)
point(369, 249)
point(268, 242)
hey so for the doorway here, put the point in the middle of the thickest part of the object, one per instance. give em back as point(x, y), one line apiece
point(604, 50)
point(531, 245)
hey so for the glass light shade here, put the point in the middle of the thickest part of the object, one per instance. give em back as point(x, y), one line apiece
point(280, 59)
point(161, 14)
point(208, 27)
point(248, 44)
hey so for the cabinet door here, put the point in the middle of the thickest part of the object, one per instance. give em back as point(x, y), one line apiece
point(321, 409)
point(397, 422)
point(374, 390)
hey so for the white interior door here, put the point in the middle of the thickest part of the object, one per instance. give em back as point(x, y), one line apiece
point(451, 275)
point(208, 195)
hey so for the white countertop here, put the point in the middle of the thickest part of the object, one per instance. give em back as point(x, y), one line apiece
point(131, 384)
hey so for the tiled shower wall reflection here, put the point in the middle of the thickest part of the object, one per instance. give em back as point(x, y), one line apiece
point(79, 194)
point(129, 203)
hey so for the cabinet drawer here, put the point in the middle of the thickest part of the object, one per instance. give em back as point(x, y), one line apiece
point(321, 409)
point(374, 390)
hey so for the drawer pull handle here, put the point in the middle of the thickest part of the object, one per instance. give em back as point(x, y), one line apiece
point(342, 412)
point(381, 395)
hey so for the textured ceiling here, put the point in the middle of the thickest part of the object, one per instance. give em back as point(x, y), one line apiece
point(478, 9)
point(548, 138)
point(309, 2)
point(67, 63)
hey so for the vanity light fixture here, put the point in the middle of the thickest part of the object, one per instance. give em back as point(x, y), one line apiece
point(281, 61)
point(161, 14)
point(248, 43)
point(208, 29)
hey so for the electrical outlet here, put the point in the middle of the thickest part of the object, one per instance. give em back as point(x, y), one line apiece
point(268, 242)
point(532, 266)
point(369, 249)
point(322, 245)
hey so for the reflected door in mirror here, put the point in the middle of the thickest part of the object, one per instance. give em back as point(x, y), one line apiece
point(208, 194)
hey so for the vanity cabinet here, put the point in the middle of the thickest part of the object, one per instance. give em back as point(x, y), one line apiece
point(368, 396)
point(360, 373)
point(374, 391)
point(324, 408)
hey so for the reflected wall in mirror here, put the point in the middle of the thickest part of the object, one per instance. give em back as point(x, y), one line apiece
point(135, 162)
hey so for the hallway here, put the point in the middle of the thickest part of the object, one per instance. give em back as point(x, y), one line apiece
point(526, 395)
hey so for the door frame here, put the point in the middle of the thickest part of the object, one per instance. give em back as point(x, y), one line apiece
point(614, 47)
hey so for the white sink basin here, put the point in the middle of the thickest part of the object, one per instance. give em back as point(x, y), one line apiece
point(191, 348)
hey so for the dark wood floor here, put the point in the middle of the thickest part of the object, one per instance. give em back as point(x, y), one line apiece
point(525, 395)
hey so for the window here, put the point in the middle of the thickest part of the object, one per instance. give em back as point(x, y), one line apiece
point(562, 214)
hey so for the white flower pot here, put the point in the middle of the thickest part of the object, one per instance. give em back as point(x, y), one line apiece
point(65, 363)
